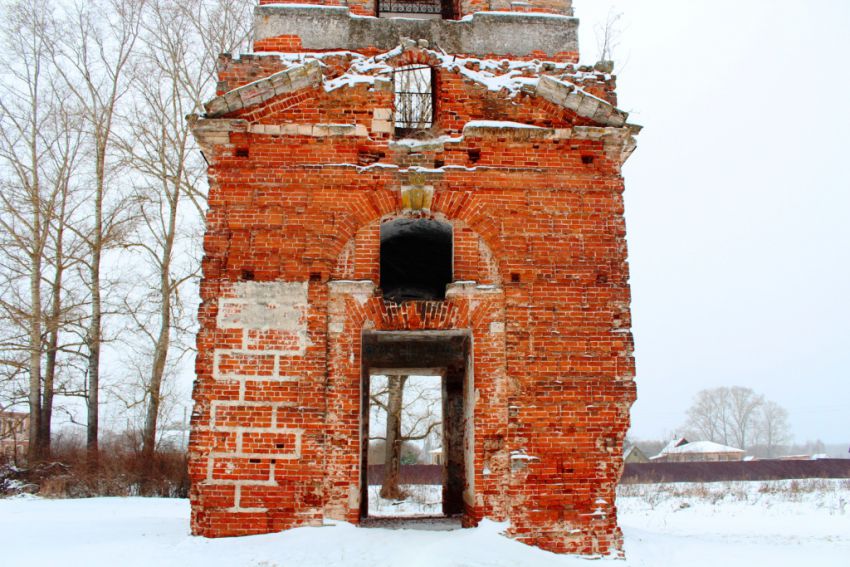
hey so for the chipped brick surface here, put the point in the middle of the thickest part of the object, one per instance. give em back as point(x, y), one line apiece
point(301, 179)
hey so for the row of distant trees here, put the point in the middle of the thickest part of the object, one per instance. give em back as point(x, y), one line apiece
point(102, 193)
point(739, 417)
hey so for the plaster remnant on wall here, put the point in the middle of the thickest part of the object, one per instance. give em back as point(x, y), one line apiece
point(360, 290)
point(264, 306)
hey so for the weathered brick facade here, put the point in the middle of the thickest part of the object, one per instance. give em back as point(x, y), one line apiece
point(523, 163)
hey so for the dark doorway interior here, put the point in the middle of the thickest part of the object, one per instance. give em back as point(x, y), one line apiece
point(438, 360)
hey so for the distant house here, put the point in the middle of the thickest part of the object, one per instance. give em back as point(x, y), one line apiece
point(14, 433)
point(435, 456)
point(676, 442)
point(634, 455)
point(683, 451)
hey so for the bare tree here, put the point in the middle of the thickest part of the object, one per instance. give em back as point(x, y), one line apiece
point(773, 430)
point(744, 410)
point(608, 36)
point(708, 415)
point(93, 55)
point(410, 410)
point(180, 44)
point(39, 148)
point(737, 416)
point(392, 457)
point(94, 144)
point(65, 306)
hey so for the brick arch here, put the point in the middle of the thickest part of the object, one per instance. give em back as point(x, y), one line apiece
point(349, 217)
point(413, 56)
point(417, 315)
point(359, 255)
point(474, 213)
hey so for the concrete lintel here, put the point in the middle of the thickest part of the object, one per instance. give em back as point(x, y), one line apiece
point(314, 130)
point(484, 33)
point(210, 133)
point(619, 142)
point(511, 130)
point(430, 371)
point(401, 336)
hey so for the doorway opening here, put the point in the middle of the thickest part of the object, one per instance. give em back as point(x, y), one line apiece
point(405, 445)
point(416, 425)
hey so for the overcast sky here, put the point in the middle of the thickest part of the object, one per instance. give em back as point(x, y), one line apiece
point(737, 203)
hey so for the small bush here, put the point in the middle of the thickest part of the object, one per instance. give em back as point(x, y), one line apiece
point(120, 471)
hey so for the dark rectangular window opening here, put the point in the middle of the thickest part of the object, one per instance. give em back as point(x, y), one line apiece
point(424, 411)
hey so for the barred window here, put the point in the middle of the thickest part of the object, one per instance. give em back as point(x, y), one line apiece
point(421, 9)
point(414, 99)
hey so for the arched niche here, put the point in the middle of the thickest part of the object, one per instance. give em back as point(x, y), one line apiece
point(472, 259)
point(415, 259)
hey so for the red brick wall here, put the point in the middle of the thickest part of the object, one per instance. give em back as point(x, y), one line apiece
point(538, 222)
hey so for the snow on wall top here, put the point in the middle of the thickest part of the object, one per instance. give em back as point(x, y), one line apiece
point(555, 81)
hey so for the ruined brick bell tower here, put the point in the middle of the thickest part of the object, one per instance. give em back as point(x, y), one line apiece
point(412, 185)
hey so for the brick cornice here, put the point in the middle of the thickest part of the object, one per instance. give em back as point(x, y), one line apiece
point(283, 82)
point(585, 105)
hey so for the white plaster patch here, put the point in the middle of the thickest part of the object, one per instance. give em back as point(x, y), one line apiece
point(272, 318)
point(265, 306)
point(360, 290)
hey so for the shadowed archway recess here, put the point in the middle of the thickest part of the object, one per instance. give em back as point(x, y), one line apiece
point(416, 259)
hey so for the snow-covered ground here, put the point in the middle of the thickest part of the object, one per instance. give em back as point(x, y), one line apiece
point(776, 524)
point(422, 500)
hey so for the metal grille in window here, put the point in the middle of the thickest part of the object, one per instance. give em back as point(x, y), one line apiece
point(414, 99)
point(412, 6)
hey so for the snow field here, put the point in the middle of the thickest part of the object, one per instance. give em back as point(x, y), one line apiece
point(775, 524)
point(422, 500)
